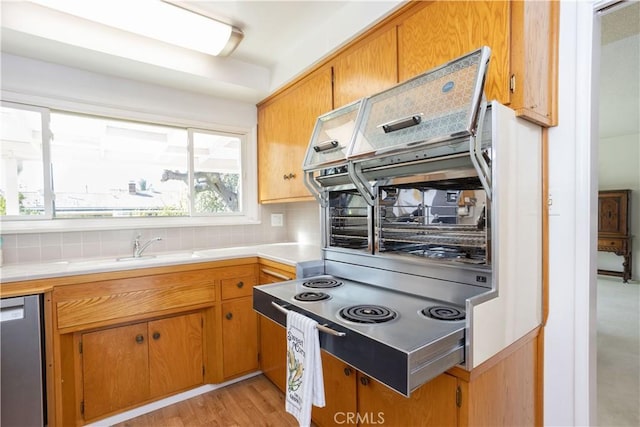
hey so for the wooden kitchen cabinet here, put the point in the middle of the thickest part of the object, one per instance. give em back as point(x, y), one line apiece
point(522, 36)
point(351, 395)
point(175, 354)
point(273, 344)
point(240, 335)
point(115, 367)
point(614, 229)
point(340, 391)
point(131, 364)
point(285, 125)
point(239, 322)
point(273, 352)
point(366, 69)
point(433, 404)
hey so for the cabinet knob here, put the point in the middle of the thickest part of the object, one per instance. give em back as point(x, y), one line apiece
point(364, 380)
point(347, 371)
point(156, 335)
point(285, 177)
point(229, 316)
point(292, 175)
point(240, 284)
point(139, 338)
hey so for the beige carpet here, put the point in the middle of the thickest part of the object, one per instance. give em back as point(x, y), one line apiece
point(618, 353)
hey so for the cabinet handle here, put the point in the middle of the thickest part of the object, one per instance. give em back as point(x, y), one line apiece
point(240, 284)
point(364, 380)
point(156, 335)
point(229, 316)
point(274, 274)
point(139, 338)
point(347, 371)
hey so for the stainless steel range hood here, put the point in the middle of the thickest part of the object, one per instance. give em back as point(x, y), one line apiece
point(432, 118)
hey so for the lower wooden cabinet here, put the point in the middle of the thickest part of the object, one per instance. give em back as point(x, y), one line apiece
point(273, 352)
point(433, 404)
point(340, 388)
point(130, 364)
point(273, 344)
point(502, 391)
point(240, 337)
point(352, 397)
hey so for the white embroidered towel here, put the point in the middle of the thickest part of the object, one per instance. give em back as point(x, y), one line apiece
point(305, 385)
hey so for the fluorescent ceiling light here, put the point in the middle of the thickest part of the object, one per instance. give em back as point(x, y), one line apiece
point(156, 19)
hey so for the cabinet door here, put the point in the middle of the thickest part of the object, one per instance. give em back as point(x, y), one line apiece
point(339, 393)
point(433, 404)
point(366, 70)
point(175, 354)
point(239, 337)
point(273, 351)
point(612, 213)
point(284, 129)
point(534, 61)
point(115, 369)
point(444, 30)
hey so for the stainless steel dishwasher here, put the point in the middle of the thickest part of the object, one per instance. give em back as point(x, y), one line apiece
point(21, 367)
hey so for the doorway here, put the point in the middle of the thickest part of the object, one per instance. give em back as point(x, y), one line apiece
point(618, 145)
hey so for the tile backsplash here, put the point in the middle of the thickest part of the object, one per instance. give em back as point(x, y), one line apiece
point(301, 224)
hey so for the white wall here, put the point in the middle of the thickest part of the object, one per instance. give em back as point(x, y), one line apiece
point(569, 368)
point(619, 169)
point(38, 81)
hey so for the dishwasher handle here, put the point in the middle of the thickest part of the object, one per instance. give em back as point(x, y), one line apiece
point(11, 309)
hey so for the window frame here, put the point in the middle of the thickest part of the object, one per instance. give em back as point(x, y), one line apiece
point(250, 209)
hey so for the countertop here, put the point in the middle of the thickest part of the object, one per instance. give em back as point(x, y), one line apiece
point(284, 253)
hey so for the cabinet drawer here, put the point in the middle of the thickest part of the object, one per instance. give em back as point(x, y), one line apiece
point(106, 302)
point(610, 244)
point(238, 286)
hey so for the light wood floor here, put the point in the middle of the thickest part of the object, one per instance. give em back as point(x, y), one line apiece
point(252, 402)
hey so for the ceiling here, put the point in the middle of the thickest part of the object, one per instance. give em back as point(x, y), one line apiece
point(281, 39)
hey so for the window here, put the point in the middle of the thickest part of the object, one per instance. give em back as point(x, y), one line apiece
point(22, 177)
point(110, 168)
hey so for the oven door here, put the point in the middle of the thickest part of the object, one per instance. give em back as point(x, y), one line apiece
point(348, 221)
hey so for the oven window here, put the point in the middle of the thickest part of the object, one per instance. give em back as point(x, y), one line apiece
point(349, 224)
point(444, 224)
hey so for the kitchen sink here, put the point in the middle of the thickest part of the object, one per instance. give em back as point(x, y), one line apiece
point(130, 261)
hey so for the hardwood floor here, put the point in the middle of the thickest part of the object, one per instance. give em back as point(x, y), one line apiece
point(252, 402)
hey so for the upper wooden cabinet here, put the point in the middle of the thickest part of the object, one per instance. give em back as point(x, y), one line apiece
point(368, 68)
point(284, 128)
point(419, 36)
point(522, 36)
point(440, 31)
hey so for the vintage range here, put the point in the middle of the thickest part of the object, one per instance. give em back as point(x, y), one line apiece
point(430, 203)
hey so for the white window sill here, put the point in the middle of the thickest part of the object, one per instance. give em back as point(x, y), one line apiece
point(62, 225)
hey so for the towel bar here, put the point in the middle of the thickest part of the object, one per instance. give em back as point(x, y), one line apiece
point(323, 328)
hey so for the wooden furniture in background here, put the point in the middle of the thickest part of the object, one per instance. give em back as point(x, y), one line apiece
point(614, 229)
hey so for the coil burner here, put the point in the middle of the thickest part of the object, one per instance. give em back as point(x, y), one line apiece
point(441, 312)
point(368, 314)
point(311, 296)
point(322, 283)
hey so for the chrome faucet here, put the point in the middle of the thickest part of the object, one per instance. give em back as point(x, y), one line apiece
point(139, 249)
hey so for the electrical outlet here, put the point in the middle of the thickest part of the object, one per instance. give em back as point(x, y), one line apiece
point(277, 220)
